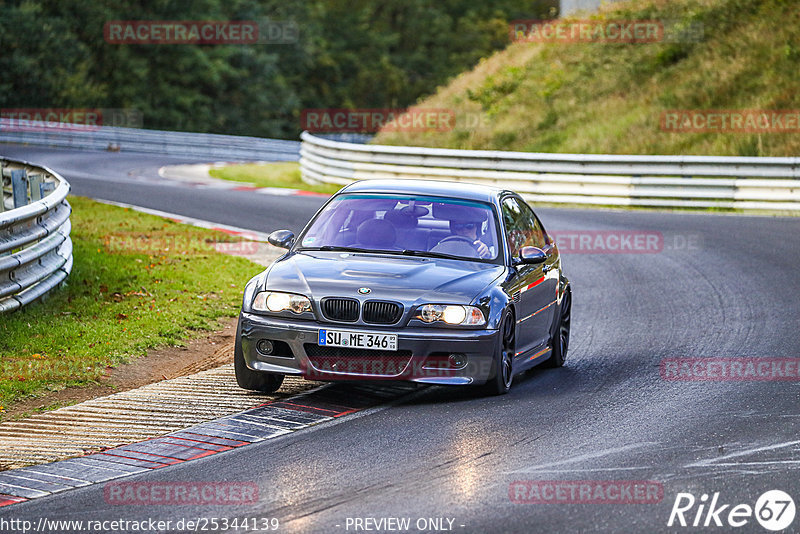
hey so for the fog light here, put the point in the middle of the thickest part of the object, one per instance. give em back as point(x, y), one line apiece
point(264, 346)
point(458, 360)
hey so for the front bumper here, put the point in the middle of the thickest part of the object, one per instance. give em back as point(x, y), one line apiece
point(427, 349)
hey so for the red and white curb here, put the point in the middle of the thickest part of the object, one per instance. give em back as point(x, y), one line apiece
point(267, 421)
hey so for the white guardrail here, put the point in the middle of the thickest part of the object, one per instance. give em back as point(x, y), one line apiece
point(116, 139)
point(35, 248)
point(746, 183)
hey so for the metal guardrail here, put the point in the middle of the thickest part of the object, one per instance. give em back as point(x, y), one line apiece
point(35, 248)
point(207, 146)
point(747, 183)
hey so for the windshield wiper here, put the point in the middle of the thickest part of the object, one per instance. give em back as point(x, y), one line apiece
point(428, 254)
point(328, 248)
point(407, 252)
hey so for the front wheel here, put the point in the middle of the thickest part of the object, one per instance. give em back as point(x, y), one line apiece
point(502, 373)
point(559, 341)
point(249, 379)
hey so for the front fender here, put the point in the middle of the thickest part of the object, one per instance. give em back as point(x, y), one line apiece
point(250, 289)
point(495, 303)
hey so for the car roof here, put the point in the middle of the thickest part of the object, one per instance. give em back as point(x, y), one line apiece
point(427, 187)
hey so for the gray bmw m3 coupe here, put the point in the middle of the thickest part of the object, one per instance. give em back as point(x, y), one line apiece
point(423, 281)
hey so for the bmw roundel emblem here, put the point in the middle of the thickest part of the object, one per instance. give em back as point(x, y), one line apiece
point(364, 290)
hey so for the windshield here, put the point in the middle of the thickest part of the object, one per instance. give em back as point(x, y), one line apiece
point(417, 225)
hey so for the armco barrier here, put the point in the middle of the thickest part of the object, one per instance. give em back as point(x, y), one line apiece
point(747, 183)
point(35, 248)
point(206, 146)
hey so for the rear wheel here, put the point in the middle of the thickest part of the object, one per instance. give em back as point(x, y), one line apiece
point(501, 373)
point(559, 341)
point(249, 379)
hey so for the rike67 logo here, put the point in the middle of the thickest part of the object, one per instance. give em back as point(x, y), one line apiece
point(774, 510)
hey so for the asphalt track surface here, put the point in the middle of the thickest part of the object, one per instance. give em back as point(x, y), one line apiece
point(723, 286)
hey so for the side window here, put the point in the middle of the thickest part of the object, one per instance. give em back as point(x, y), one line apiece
point(537, 237)
point(523, 229)
point(513, 221)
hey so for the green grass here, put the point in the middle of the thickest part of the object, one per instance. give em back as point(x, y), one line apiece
point(608, 98)
point(40, 409)
point(283, 174)
point(138, 282)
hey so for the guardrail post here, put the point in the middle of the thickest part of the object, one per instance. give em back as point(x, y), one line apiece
point(35, 182)
point(2, 186)
point(45, 188)
point(19, 187)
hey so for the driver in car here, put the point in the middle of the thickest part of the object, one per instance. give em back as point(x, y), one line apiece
point(464, 240)
point(470, 231)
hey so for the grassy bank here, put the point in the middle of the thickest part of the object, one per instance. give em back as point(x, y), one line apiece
point(138, 282)
point(609, 98)
point(281, 174)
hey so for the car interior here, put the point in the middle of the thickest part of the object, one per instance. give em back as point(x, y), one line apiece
point(390, 224)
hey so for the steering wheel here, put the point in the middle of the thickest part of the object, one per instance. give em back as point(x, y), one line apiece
point(458, 238)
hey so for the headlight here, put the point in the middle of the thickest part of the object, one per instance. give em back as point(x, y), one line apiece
point(451, 314)
point(275, 301)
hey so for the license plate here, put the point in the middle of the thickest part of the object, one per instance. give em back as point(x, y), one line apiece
point(357, 340)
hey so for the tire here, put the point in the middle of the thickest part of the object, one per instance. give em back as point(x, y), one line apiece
point(559, 340)
point(249, 379)
point(501, 373)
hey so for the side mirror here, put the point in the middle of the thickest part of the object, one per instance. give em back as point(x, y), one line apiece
point(530, 256)
point(281, 238)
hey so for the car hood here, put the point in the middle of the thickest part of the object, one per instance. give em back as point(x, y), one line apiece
point(406, 279)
